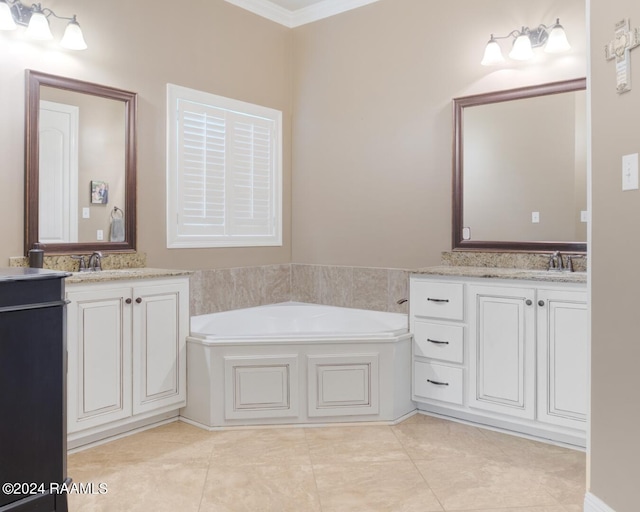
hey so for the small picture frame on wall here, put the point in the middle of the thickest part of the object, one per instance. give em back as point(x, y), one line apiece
point(99, 192)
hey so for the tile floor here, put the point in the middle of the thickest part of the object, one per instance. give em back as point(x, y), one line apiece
point(423, 464)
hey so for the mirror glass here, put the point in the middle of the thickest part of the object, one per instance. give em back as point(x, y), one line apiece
point(80, 170)
point(520, 169)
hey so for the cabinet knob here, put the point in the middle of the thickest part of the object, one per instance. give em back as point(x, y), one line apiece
point(138, 300)
point(528, 302)
point(540, 303)
point(128, 301)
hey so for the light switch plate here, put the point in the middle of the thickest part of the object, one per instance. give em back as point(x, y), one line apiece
point(535, 217)
point(630, 172)
point(100, 235)
point(584, 216)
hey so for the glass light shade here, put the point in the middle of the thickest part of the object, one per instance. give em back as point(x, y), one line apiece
point(6, 19)
point(73, 38)
point(557, 42)
point(38, 27)
point(492, 54)
point(521, 48)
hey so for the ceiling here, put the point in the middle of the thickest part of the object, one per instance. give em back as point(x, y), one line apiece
point(293, 13)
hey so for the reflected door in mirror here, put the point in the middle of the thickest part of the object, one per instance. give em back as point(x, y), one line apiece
point(97, 152)
point(58, 183)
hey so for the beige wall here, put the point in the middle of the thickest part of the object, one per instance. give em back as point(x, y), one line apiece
point(140, 46)
point(372, 120)
point(615, 278)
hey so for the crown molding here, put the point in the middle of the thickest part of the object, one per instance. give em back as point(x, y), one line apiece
point(299, 17)
point(267, 10)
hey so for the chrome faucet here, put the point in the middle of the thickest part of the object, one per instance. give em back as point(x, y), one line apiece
point(95, 261)
point(555, 261)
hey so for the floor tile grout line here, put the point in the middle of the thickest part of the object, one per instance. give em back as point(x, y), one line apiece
point(413, 462)
point(313, 470)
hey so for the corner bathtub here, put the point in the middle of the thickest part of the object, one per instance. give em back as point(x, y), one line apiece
point(296, 363)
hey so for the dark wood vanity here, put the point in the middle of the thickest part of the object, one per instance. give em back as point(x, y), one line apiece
point(33, 446)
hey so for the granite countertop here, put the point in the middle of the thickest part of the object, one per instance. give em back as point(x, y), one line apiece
point(505, 273)
point(125, 273)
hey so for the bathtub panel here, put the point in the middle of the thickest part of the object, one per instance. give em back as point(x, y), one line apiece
point(343, 385)
point(337, 364)
point(261, 386)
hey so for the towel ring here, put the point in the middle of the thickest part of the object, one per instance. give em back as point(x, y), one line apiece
point(115, 211)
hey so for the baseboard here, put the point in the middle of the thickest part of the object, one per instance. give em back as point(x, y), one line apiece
point(593, 504)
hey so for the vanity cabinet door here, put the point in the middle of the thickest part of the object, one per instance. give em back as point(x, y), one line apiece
point(502, 350)
point(160, 329)
point(99, 352)
point(562, 358)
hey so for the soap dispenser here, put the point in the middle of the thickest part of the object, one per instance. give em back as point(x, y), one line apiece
point(36, 256)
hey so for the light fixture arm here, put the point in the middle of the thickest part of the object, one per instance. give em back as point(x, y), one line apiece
point(48, 12)
point(513, 33)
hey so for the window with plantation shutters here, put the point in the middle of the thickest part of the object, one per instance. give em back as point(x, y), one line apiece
point(224, 171)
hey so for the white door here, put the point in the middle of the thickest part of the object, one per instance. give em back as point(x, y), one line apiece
point(502, 350)
point(99, 347)
point(562, 358)
point(160, 329)
point(58, 173)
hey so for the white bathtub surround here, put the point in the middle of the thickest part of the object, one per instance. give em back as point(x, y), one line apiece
point(296, 363)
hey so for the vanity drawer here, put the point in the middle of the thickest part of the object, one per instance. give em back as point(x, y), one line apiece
point(437, 300)
point(437, 382)
point(437, 341)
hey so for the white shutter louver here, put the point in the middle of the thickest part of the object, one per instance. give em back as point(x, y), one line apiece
point(224, 172)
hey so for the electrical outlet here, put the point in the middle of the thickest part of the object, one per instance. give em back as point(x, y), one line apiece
point(535, 217)
point(630, 172)
point(100, 235)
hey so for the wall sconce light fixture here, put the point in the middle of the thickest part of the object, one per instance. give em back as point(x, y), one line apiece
point(36, 19)
point(553, 38)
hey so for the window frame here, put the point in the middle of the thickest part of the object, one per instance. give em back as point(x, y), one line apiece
point(175, 240)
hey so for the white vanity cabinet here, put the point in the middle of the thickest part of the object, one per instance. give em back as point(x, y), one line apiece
point(513, 354)
point(562, 357)
point(127, 360)
point(502, 347)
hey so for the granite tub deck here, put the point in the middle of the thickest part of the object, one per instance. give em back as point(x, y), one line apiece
point(551, 276)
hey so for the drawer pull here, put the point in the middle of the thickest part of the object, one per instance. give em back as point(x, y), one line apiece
point(440, 301)
point(437, 383)
point(437, 342)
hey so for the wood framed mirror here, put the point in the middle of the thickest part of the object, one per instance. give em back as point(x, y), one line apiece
point(80, 166)
point(519, 169)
